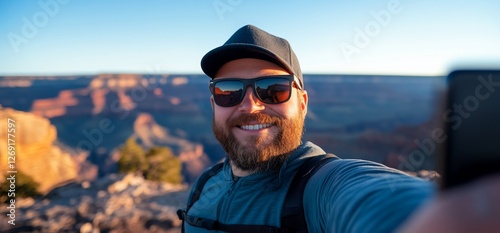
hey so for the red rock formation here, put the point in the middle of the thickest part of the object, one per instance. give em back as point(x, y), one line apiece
point(191, 154)
point(56, 106)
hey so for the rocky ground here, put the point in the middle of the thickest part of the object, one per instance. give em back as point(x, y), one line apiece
point(115, 203)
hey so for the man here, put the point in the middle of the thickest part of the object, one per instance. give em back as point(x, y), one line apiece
point(259, 105)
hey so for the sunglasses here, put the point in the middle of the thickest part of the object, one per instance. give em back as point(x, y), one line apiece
point(274, 89)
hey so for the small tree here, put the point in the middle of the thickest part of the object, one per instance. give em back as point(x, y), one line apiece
point(158, 164)
point(133, 157)
point(25, 187)
point(163, 166)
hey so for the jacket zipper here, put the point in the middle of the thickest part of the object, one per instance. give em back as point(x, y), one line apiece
point(223, 200)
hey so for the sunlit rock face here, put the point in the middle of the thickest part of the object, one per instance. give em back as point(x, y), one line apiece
point(38, 154)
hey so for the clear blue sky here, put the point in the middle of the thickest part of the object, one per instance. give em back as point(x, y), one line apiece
point(423, 37)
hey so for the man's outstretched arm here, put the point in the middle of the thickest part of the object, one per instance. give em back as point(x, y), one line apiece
point(362, 196)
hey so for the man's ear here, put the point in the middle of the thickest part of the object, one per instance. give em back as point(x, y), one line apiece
point(303, 98)
point(212, 101)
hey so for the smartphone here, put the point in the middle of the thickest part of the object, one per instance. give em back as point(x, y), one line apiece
point(472, 123)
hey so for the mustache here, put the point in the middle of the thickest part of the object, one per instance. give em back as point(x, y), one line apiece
point(249, 117)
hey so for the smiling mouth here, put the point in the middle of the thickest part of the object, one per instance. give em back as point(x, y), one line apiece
point(255, 126)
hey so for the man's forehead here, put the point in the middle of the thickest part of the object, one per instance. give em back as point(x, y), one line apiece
point(249, 68)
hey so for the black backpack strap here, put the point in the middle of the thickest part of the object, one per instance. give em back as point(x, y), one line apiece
point(292, 214)
point(195, 195)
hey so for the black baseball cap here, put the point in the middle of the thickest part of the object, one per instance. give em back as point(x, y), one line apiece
point(252, 42)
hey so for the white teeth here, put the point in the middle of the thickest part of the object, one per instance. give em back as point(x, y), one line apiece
point(255, 127)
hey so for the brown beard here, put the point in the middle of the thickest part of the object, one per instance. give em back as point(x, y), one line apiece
point(258, 157)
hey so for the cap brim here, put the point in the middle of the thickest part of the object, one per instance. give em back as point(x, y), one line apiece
point(216, 58)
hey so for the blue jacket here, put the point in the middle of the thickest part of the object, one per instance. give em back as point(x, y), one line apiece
point(345, 195)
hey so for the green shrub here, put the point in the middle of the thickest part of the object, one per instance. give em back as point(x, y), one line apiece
point(163, 166)
point(132, 157)
point(25, 187)
point(158, 164)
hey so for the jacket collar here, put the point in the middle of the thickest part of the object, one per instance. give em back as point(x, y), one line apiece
point(273, 179)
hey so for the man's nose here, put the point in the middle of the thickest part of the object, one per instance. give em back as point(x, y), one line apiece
point(250, 102)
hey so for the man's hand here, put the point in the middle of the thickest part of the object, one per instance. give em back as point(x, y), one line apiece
point(473, 207)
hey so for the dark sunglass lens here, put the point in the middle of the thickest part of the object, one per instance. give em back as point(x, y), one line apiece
point(228, 93)
point(273, 90)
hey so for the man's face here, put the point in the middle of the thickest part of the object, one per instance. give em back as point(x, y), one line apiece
point(258, 136)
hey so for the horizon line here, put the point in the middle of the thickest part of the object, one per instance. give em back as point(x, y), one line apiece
point(200, 73)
